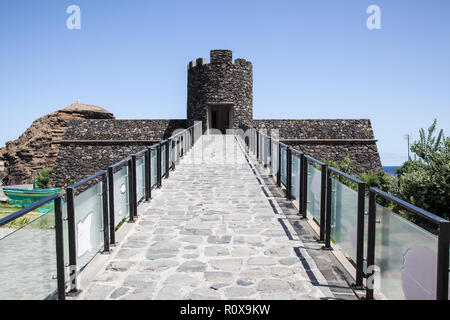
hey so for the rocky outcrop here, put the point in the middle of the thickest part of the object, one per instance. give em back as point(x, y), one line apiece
point(38, 146)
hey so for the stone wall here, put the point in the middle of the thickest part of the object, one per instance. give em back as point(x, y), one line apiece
point(317, 128)
point(219, 82)
point(140, 130)
point(329, 139)
point(38, 146)
point(92, 145)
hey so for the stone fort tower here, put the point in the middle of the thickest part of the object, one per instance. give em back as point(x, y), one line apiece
point(220, 93)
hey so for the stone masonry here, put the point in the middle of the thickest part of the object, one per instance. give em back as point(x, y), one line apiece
point(85, 146)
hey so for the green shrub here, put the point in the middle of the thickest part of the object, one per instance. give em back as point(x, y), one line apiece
point(42, 180)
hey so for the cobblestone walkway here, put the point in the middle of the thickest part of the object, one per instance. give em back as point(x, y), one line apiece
point(210, 233)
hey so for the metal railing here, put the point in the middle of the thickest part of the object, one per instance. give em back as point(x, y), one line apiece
point(338, 209)
point(8, 279)
point(95, 205)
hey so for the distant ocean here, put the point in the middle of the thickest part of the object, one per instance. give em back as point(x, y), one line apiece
point(391, 169)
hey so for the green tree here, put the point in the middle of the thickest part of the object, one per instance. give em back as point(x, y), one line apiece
point(425, 181)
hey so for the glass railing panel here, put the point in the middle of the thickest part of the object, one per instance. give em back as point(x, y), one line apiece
point(264, 150)
point(89, 223)
point(66, 243)
point(344, 214)
point(314, 191)
point(295, 179)
point(274, 158)
point(140, 178)
point(28, 261)
point(283, 166)
point(268, 156)
point(154, 168)
point(406, 256)
point(121, 196)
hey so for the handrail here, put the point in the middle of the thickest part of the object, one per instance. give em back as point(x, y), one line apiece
point(141, 153)
point(95, 175)
point(343, 174)
point(28, 209)
point(320, 163)
point(423, 213)
point(117, 164)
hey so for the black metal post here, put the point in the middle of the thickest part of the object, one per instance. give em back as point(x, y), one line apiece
point(181, 145)
point(279, 165)
point(130, 190)
point(133, 158)
point(360, 237)
point(371, 244)
point(72, 241)
point(59, 237)
point(257, 145)
point(328, 213)
point(269, 153)
point(158, 165)
point(323, 201)
point(173, 154)
point(105, 213)
point(167, 152)
point(288, 173)
point(443, 261)
point(112, 222)
point(303, 185)
point(148, 174)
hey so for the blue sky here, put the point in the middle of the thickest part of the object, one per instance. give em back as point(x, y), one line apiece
point(311, 59)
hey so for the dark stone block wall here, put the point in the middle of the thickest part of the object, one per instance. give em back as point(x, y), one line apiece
point(81, 161)
point(318, 128)
point(364, 156)
point(218, 82)
point(92, 145)
point(122, 129)
point(329, 139)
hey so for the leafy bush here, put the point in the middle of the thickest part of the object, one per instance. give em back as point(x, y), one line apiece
point(343, 166)
point(381, 180)
point(42, 180)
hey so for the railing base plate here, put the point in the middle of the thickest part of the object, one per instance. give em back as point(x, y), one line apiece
point(73, 293)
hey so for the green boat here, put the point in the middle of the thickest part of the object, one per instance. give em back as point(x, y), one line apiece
point(26, 197)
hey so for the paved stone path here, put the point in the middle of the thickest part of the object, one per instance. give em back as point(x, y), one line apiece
point(210, 233)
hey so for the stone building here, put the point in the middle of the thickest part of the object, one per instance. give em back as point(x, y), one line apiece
point(220, 94)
